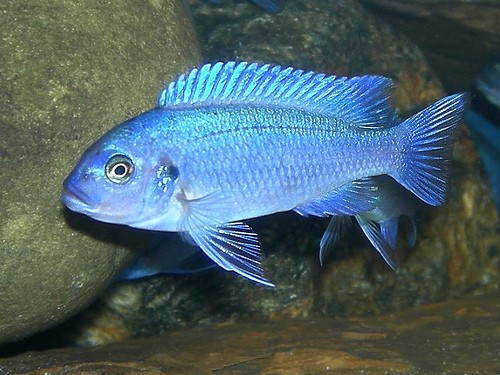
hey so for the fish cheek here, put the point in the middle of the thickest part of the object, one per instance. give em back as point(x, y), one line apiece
point(163, 182)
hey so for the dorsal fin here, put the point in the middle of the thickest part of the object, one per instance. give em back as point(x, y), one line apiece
point(362, 101)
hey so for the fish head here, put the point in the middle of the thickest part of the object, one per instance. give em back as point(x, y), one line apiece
point(122, 179)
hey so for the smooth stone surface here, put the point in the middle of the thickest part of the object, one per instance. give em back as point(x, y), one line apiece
point(457, 246)
point(68, 72)
point(453, 337)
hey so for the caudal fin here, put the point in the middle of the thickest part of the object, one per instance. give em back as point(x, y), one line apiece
point(425, 169)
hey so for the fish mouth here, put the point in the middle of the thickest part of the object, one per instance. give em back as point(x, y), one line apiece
point(76, 200)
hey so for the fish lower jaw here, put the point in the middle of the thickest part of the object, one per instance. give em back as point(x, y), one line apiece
point(75, 203)
point(163, 223)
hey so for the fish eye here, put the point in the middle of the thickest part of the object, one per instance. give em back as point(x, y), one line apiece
point(119, 168)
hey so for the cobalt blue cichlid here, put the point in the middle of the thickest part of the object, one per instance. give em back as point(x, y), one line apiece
point(484, 125)
point(233, 141)
point(486, 136)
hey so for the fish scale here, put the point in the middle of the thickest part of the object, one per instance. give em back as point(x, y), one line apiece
point(290, 142)
point(233, 141)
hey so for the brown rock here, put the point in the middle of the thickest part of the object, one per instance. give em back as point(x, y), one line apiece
point(456, 337)
point(457, 37)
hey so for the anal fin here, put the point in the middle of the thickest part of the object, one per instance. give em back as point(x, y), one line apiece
point(389, 231)
point(349, 199)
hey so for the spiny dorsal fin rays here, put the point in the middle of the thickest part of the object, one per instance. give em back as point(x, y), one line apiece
point(362, 101)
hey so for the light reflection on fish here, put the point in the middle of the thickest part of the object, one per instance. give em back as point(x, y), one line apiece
point(233, 141)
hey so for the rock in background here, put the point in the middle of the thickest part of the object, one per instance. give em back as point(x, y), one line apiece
point(68, 72)
point(458, 37)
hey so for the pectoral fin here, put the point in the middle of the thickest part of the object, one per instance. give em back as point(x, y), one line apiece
point(166, 254)
point(234, 247)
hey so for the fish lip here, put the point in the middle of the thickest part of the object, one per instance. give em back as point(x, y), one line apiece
point(77, 200)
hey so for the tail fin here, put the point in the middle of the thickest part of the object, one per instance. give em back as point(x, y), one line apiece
point(425, 169)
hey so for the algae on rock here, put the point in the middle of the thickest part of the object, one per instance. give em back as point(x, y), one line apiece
point(69, 71)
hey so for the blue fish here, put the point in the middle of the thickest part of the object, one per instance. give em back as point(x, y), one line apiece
point(166, 254)
point(484, 125)
point(486, 136)
point(379, 224)
point(488, 83)
point(268, 5)
point(233, 141)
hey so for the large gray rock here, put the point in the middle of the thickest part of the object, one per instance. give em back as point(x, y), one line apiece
point(68, 72)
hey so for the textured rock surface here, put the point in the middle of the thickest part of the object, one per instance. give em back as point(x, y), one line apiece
point(458, 37)
point(338, 37)
point(454, 337)
point(69, 71)
point(457, 248)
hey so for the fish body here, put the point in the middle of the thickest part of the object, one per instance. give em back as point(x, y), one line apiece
point(486, 136)
point(484, 124)
point(233, 141)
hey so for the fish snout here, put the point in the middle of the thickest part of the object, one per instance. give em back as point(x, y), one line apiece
point(76, 199)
